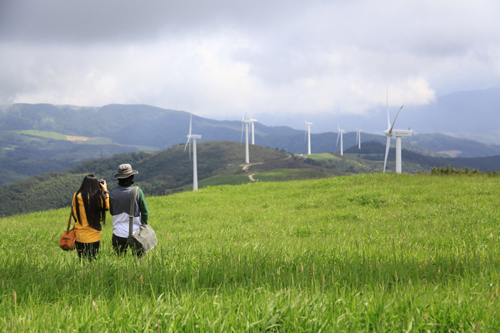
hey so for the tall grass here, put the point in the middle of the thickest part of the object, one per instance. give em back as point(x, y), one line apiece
point(359, 253)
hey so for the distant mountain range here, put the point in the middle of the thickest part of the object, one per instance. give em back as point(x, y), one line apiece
point(40, 138)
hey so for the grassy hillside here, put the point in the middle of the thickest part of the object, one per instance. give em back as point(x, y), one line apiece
point(160, 173)
point(376, 253)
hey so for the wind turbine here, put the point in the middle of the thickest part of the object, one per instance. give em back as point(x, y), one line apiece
point(253, 129)
point(244, 123)
point(341, 135)
point(193, 137)
point(308, 132)
point(358, 137)
point(398, 133)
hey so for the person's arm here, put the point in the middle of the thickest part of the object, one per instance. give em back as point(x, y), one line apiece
point(143, 207)
point(105, 191)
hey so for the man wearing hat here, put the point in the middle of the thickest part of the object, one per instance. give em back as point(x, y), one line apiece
point(119, 200)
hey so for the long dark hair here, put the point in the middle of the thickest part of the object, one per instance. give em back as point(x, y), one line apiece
point(93, 201)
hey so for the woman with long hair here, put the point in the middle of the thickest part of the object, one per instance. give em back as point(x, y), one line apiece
point(89, 207)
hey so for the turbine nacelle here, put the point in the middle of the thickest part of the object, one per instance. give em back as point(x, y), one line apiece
point(245, 121)
point(399, 133)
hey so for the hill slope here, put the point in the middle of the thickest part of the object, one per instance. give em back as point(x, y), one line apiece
point(164, 172)
point(170, 171)
point(366, 253)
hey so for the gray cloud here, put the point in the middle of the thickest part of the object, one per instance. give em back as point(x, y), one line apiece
point(278, 57)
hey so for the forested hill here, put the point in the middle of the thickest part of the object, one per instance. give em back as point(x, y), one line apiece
point(170, 170)
point(160, 173)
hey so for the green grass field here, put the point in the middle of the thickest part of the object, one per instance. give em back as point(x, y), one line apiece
point(98, 140)
point(378, 253)
point(322, 157)
point(227, 180)
point(288, 174)
point(44, 134)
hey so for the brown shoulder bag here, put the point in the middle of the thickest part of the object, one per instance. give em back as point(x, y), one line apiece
point(68, 238)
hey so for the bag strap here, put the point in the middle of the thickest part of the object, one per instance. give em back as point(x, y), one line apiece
point(71, 214)
point(133, 195)
point(69, 220)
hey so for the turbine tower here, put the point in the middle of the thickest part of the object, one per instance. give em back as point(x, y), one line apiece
point(358, 137)
point(253, 129)
point(308, 132)
point(193, 137)
point(244, 123)
point(398, 133)
point(341, 135)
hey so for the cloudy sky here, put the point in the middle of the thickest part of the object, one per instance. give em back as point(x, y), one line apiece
point(276, 58)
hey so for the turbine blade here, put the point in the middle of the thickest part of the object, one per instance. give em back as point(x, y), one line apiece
point(338, 136)
point(186, 143)
point(387, 150)
point(395, 118)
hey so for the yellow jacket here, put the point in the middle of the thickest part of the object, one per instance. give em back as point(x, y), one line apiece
point(84, 232)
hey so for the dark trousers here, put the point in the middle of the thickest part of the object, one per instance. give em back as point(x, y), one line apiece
point(120, 245)
point(87, 250)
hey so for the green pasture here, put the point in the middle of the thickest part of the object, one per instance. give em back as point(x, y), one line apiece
point(146, 148)
point(356, 155)
point(322, 157)
point(44, 134)
point(288, 174)
point(98, 140)
point(363, 253)
point(14, 138)
point(224, 180)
